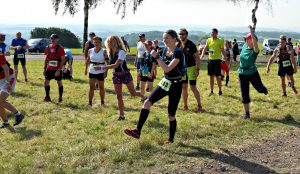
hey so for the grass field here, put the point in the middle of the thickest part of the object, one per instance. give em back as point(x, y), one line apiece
point(76, 138)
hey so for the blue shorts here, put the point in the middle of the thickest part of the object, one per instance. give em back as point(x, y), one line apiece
point(138, 64)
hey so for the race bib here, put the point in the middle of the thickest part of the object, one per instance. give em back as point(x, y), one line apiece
point(165, 84)
point(211, 52)
point(286, 63)
point(21, 56)
point(53, 63)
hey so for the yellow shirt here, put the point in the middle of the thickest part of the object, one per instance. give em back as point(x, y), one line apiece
point(214, 47)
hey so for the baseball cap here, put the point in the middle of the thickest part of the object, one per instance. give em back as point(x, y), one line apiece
point(54, 36)
point(142, 35)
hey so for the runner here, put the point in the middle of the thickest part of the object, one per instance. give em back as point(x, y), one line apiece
point(225, 66)
point(248, 70)
point(68, 71)
point(7, 85)
point(97, 58)
point(121, 74)
point(20, 45)
point(4, 48)
point(286, 64)
point(55, 56)
point(139, 55)
point(298, 54)
point(147, 69)
point(192, 60)
point(172, 63)
point(89, 45)
point(215, 46)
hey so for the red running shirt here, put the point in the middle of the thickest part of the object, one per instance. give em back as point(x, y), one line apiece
point(53, 56)
point(3, 61)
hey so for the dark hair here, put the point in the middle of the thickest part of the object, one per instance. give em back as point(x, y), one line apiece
point(289, 39)
point(97, 38)
point(173, 34)
point(184, 30)
point(215, 30)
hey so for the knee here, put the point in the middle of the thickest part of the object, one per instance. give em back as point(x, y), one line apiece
point(147, 104)
point(172, 118)
point(92, 87)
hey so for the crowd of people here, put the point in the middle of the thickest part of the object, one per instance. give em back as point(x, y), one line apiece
point(179, 60)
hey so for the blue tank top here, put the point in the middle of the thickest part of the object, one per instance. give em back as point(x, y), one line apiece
point(2, 48)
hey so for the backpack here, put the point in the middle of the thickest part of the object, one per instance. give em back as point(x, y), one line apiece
point(183, 68)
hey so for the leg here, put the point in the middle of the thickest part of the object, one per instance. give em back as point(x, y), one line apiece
point(3, 114)
point(150, 86)
point(293, 84)
point(219, 83)
point(283, 85)
point(197, 95)
point(132, 91)
point(244, 86)
point(60, 90)
point(101, 91)
point(16, 71)
point(212, 78)
point(143, 86)
point(25, 72)
point(185, 95)
point(257, 83)
point(118, 89)
point(92, 83)
point(5, 104)
point(47, 90)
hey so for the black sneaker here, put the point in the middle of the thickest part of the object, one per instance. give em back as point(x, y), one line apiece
point(133, 133)
point(211, 94)
point(47, 99)
point(18, 120)
point(246, 117)
point(220, 93)
point(4, 125)
point(289, 84)
point(137, 88)
point(148, 89)
point(59, 100)
point(121, 118)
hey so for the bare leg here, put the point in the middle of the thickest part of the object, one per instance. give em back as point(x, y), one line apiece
point(185, 95)
point(118, 89)
point(133, 92)
point(91, 91)
point(5, 104)
point(101, 91)
point(212, 83)
point(3, 114)
point(25, 72)
point(219, 83)
point(143, 86)
point(16, 71)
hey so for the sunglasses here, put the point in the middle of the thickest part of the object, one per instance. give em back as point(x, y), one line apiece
point(181, 34)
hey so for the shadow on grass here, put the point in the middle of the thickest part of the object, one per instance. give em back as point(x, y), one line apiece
point(37, 84)
point(288, 120)
point(24, 133)
point(155, 123)
point(254, 100)
point(80, 81)
point(112, 91)
point(227, 158)
point(71, 106)
point(19, 94)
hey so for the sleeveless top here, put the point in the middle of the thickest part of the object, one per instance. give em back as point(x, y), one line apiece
point(96, 60)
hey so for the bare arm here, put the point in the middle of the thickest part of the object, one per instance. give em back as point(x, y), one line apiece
point(224, 54)
point(170, 67)
point(197, 58)
point(203, 52)
point(115, 65)
point(271, 60)
point(6, 71)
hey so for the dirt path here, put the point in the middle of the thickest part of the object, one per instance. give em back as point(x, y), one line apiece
point(274, 156)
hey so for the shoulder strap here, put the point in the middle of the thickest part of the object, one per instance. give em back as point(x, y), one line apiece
point(164, 53)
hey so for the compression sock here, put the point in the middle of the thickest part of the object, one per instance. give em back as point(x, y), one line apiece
point(143, 117)
point(173, 125)
point(47, 89)
point(61, 91)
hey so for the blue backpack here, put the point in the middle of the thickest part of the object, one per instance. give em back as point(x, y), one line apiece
point(183, 67)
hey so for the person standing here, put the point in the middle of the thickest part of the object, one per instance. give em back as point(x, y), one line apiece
point(20, 45)
point(248, 72)
point(192, 59)
point(121, 75)
point(215, 47)
point(148, 67)
point(141, 49)
point(88, 45)
point(172, 64)
point(55, 56)
point(97, 57)
point(4, 48)
point(68, 59)
point(225, 66)
point(7, 85)
point(286, 64)
point(126, 44)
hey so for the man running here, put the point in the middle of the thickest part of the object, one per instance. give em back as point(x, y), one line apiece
point(215, 47)
point(4, 49)
point(192, 60)
point(286, 64)
point(20, 45)
point(141, 49)
point(7, 85)
point(55, 56)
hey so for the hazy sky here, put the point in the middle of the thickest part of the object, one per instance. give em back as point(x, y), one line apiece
point(158, 12)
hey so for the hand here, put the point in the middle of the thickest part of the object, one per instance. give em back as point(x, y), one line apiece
point(268, 70)
point(8, 86)
point(154, 53)
point(250, 28)
point(150, 76)
point(19, 47)
point(44, 73)
point(57, 73)
point(85, 72)
point(97, 68)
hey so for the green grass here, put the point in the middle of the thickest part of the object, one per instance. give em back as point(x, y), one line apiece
point(75, 138)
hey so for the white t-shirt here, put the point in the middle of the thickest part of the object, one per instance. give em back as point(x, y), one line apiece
point(96, 58)
point(6, 49)
point(141, 49)
point(122, 55)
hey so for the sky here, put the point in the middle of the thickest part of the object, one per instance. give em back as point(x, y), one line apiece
point(158, 12)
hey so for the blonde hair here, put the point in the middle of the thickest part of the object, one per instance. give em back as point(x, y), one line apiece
point(114, 42)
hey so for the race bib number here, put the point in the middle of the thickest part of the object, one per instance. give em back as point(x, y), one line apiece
point(286, 63)
point(165, 84)
point(211, 52)
point(53, 63)
point(21, 56)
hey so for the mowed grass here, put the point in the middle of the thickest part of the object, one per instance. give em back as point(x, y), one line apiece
point(76, 138)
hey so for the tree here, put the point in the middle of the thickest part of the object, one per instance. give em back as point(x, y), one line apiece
point(72, 7)
point(67, 38)
point(254, 19)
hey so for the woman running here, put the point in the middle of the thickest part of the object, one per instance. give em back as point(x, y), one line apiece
point(97, 57)
point(147, 68)
point(121, 74)
point(7, 85)
point(172, 63)
point(248, 70)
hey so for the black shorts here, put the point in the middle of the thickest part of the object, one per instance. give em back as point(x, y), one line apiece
point(17, 60)
point(283, 71)
point(146, 79)
point(50, 74)
point(99, 77)
point(214, 67)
